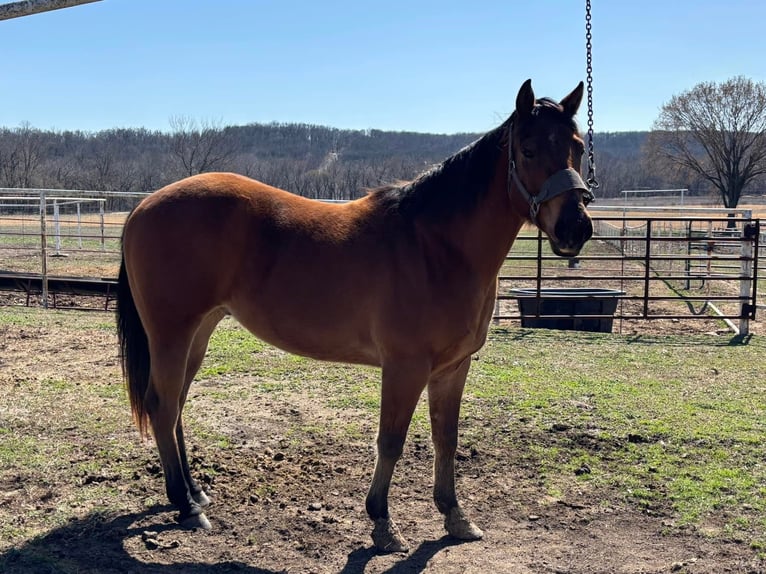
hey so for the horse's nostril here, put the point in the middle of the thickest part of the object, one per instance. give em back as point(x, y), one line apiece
point(574, 231)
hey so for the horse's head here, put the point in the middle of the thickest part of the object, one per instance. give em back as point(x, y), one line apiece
point(545, 158)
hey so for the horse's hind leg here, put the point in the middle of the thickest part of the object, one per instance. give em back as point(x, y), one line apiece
point(402, 385)
point(444, 395)
point(164, 401)
point(196, 356)
point(196, 491)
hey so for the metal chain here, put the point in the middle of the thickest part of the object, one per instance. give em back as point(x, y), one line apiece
point(591, 179)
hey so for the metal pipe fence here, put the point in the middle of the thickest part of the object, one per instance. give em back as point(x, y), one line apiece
point(669, 267)
point(68, 237)
point(658, 267)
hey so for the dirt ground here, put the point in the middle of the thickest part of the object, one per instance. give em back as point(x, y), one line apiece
point(284, 507)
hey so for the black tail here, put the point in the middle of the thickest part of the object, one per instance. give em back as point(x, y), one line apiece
point(134, 350)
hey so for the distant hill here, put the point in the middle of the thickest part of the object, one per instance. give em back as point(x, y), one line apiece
point(311, 160)
point(620, 144)
point(298, 141)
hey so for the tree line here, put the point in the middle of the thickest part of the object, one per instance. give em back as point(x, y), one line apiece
point(314, 161)
point(310, 160)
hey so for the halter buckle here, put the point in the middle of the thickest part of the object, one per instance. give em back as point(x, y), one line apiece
point(534, 209)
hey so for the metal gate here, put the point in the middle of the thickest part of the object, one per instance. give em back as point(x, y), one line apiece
point(655, 266)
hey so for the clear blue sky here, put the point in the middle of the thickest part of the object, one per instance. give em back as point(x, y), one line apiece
point(440, 66)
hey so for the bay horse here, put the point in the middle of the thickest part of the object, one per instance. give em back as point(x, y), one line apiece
point(403, 278)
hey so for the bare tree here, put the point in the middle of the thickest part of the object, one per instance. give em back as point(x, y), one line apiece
point(31, 150)
point(717, 131)
point(21, 154)
point(9, 159)
point(200, 147)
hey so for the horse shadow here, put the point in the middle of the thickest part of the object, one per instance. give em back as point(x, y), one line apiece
point(410, 564)
point(95, 545)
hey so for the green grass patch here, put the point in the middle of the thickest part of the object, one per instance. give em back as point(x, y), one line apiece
point(673, 424)
point(17, 449)
point(231, 350)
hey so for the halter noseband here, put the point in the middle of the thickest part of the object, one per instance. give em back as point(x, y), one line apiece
point(560, 182)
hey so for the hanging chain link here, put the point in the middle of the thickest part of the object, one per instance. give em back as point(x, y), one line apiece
point(591, 179)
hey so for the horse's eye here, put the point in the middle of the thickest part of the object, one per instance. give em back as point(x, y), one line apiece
point(528, 153)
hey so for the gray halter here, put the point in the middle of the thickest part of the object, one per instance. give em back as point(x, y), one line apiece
point(560, 182)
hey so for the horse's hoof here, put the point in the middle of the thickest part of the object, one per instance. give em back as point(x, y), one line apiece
point(458, 526)
point(195, 521)
point(201, 498)
point(387, 538)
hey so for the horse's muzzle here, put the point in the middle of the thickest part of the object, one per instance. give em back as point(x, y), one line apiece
point(573, 228)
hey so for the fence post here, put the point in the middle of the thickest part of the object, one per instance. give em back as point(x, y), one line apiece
point(57, 228)
point(647, 266)
point(43, 249)
point(101, 217)
point(746, 273)
point(688, 261)
point(79, 227)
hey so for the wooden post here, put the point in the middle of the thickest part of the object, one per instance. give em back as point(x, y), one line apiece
point(29, 7)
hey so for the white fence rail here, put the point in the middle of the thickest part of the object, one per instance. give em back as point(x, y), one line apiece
point(59, 234)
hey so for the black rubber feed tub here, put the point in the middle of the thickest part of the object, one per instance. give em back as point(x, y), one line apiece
point(575, 304)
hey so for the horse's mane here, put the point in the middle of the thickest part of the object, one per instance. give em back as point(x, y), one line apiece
point(454, 186)
point(461, 181)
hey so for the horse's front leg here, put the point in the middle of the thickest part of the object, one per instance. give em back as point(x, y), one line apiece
point(444, 394)
point(403, 382)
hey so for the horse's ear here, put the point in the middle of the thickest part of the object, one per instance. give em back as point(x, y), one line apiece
point(571, 102)
point(525, 100)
